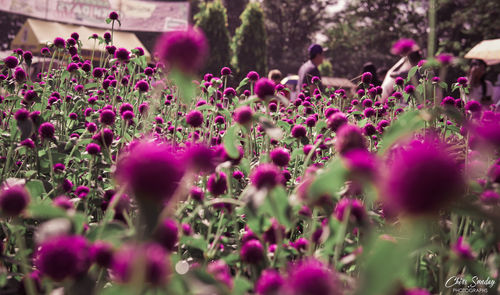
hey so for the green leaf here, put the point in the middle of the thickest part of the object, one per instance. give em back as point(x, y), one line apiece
point(198, 243)
point(36, 188)
point(406, 124)
point(230, 141)
point(90, 86)
point(443, 85)
point(330, 181)
point(276, 204)
point(241, 286)
point(184, 84)
point(45, 210)
point(243, 83)
point(411, 73)
point(112, 232)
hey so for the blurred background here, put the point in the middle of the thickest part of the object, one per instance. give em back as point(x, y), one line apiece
point(275, 34)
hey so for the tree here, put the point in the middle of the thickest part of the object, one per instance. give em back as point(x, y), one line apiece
point(291, 26)
point(212, 20)
point(234, 10)
point(326, 68)
point(249, 42)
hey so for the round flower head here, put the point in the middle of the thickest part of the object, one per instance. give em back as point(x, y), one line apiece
point(229, 92)
point(299, 131)
point(349, 137)
point(93, 149)
point(101, 253)
point(152, 171)
point(59, 42)
point(366, 77)
point(361, 164)
point(269, 283)
point(63, 202)
point(13, 200)
point(422, 179)
point(194, 118)
point(445, 59)
point(266, 176)
point(221, 272)
point(264, 88)
point(225, 71)
point(122, 54)
point(357, 210)
point(463, 250)
point(462, 81)
point(200, 158)
point(473, 106)
point(11, 62)
point(217, 184)
point(142, 86)
point(243, 115)
point(167, 234)
point(252, 252)
point(63, 257)
point(46, 130)
point(21, 115)
point(185, 50)
point(312, 277)
point(19, 75)
point(280, 157)
point(404, 47)
point(253, 76)
point(113, 15)
point(335, 121)
point(107, 117)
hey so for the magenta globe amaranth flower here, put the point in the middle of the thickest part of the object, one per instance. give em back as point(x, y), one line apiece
point(266, 176)
point(113, 15)
point(225, 71)
point(11, 62)
point(200, 158)
point(253, 76)
point(355, 207)
point(269, 283)
point(299, 131)
point(404, 47)
point(142, 86)
point(185, 50)
point(13, 200)
point(473, 106)
point(463, 250)
point(349, 137)
point(217, 184)
point(280, 157)
point(423, 178)
point(93, 149)
point(243, 115)
point(462, 81)
point(46, 130)
point(122, 54)
point(63, 257)
point(335, 121)
point(194, 118)
point(312, 277)
point(59, 42)
point(264, 88)
point(152, 171)
point(107, 117)
point(252, 252)
point(101, 253)
point(167, 234)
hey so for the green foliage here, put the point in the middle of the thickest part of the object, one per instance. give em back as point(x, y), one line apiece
point(212, 20)
point(234, 10)
point(249, 43)
point(326, 69)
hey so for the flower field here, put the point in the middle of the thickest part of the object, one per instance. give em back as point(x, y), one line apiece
point(123, 177)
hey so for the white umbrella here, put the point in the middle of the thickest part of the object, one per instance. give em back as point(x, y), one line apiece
point(487, 50)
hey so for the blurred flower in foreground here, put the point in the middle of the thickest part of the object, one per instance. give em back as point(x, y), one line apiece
point(312, 277)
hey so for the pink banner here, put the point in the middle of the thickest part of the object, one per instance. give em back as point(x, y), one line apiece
point(134, 15)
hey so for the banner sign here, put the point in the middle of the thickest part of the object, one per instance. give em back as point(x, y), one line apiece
point(134, 15)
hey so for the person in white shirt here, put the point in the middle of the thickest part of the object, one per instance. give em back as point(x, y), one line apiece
point(480, 90)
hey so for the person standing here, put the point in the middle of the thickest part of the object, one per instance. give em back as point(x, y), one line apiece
point(309, 69)
point(480, 90)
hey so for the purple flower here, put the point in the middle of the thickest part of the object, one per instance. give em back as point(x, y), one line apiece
point(221, 272)
point(128, 115)
point(229, 92)
point(473, 106)
point(252, 252)
point(21, 115)
point(357, 210)
point(101, 253)
point(59, 167)
point(142, 86)
point(151, 171)
point(167, 233)
point(369, 112)
point(490, 197)
point(266, 176)
point(19, 75)
point(63, 257)
point(448, 102)
point(217, 184)
point(185, 50)
point(264, 88)
point(113, 15)
point(349, 137)
point(200, 158)
point(462, 81)
point(63, 202)
point(11, 61)
point(93, 149)
point(46, 130)
point(13, 200)
point(299, 131)
point(72, 67)
point(422, 179)
point(107, 117)
point(59, 42)
point(122, 54)
point(196, 194)
point(28, 142)
point(194, 118)
point(312, 277)
point(366, 77)
point(253, 76)
point(280, 157)
point(445, 59)
point(225, 71)
point(335, 121)
point(409, 89)
point(243, 115)
point(462, 249)
point(404, 47)
point(269, 283)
